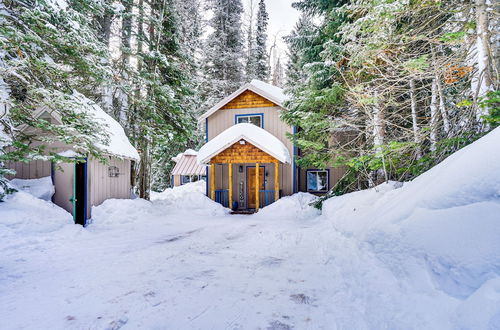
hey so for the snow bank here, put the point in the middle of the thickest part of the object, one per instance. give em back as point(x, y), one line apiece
point(255, 135)
point(22, 214)
point(190, 197)
point(297, 207)
point(40, 188)
point(180, 191)
point(186, 199)
point(448, 218)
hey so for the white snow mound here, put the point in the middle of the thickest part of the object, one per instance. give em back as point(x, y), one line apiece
point(23, 214)
point(40, 188)
point(297, 207)
point(448, 218)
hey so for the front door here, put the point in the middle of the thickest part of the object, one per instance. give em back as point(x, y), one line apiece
point(80, 194)
point(251, 184)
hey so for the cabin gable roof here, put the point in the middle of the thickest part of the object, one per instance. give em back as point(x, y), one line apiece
point(272, 93)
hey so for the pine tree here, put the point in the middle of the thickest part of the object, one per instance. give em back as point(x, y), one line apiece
point(160, 121)
point(260, 53)
point(224, 50)
point(49, 51)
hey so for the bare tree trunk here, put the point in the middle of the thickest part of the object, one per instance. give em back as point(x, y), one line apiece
point(434, 114)
point(482, 82)
point(416, 133)
point(378, 137)
point(442, 106)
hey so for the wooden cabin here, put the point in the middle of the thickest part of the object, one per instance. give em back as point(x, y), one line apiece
point(187, 169)
point(88, 182)
point(249, 168)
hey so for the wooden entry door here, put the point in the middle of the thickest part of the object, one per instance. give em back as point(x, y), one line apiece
point(251, 184)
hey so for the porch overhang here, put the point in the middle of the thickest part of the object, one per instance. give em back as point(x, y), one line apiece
point(244, 143)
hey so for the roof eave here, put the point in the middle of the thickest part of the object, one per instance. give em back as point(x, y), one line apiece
point(231, 97)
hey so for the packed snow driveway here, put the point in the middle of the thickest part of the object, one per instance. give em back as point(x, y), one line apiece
point(155, 266)
point(418, 255)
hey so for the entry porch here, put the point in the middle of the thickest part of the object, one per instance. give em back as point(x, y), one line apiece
point(245, 167)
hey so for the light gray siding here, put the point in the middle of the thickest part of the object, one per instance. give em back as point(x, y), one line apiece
point(225, 118)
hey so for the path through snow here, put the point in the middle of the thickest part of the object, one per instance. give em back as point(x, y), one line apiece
point(162, 269)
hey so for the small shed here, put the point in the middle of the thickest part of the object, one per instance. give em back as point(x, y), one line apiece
point(86, 182)
point(187, 168)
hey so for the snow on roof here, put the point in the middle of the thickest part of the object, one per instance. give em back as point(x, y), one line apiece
point(119, 144)
point(187, 165)
point(268, 91)
point(274, 91)
point(255, 135)
point(188, 152)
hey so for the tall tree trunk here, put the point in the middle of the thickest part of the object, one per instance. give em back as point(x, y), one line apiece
point(434, 114)
point(416, 133)
point(105, 36)
point(378, 138)
point(482, 82)
point(442, 106)
point(126, 51)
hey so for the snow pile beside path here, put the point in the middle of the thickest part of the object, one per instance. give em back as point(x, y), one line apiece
point(297, 206)
point(40, 188)
point(117, 212)
point(23, 214)
point(448, 218)
point(180, 191)
point(187, 199)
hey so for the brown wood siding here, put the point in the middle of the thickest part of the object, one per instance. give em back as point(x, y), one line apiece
point(177, 180)
point(223, 119)
point(242, 153)
point(248, 99)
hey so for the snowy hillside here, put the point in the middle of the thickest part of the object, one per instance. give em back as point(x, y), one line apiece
point(424, 255)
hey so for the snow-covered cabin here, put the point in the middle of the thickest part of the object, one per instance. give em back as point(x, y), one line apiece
point(187, 168)
point(252, 161)
point(79, 186)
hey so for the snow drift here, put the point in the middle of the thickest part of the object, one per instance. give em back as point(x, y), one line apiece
point(448, 219)
point(40, 188)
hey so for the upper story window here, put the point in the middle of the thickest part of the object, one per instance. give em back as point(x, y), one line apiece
point(256, 119)
point(317, 180)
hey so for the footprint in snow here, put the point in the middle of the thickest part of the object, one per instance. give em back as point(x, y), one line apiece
point(277, 325)
point(271, 262)
point(300, 299)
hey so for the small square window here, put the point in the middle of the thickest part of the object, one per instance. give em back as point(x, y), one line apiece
point(317, 181)
point(257, 119)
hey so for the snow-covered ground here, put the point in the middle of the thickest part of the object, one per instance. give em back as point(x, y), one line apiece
point(422, 256)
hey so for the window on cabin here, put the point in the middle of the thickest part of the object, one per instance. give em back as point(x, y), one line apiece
point(317, 180)
point(257, 120)
point(186, 179)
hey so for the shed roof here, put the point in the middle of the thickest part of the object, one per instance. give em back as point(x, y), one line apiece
point(268, 91)
point(187, 165)
point(119, 144)
point(257, 136)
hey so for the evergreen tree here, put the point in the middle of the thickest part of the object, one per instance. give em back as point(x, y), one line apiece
point(49, 51)
point(224, 50)
point(260, 54)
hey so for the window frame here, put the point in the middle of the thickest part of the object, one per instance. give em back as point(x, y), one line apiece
point(261, 115)
point(327, 171)
point(183, 177)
